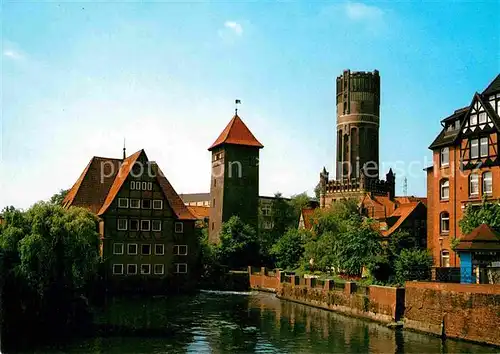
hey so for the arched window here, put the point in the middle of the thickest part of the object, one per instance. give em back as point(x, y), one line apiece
point(445, 258)
point(487, 183)
point(445, 189)
point(473, 184)
point(445, 222)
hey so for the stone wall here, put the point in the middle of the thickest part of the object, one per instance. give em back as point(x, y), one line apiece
point(465, 311)
point(264, 279)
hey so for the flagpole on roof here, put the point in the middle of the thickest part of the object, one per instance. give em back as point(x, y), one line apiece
point(236, 103)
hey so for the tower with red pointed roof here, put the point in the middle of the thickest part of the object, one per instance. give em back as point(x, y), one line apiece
point(234, 184)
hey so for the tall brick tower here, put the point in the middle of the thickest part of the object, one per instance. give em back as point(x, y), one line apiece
point(234, 185)
point(358, 112)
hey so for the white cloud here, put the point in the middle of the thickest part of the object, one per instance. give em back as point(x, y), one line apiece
point(358, 11)
point(13, 54)
point(235, 27)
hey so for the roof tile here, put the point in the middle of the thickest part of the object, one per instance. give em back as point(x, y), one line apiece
point(237, 133)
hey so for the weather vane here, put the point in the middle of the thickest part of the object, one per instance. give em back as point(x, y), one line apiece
point(236, 103)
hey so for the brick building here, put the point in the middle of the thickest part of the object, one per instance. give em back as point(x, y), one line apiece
point(234, 184)
point(465, 170)
point(146, 230)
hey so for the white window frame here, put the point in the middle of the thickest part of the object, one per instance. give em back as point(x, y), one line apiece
point(118, 244)
point(138, 203)
point(443, 154)
point(487, 176)
point(155, 201)
point(178, 266)
point(444, 184)
point(121, 228)
point(178, 227)
point(162, 253)
point(474, 143)
point(484, 141)
point(145, 200)
point(445, 254)
point(146, 254)
point(153, 225)
point(135, 266)
point(149, 225)
point(149, 269)
point(128, 249)
point(443, 218)
point(124, 205)
point(150, 186)
point(137, 185)
point(482, 115)
point(138, 225)
point(471, 120)
point(115, 272)
point(162, 269)
point(144, 186)
point(474, 177)
point(177, 250)
point(132, 185)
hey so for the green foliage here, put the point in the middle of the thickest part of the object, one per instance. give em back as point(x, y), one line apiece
point(290, 248)
point(58, 198)
point(239, 246)
point(454, 243)
point(488, 213)
point(413, 264)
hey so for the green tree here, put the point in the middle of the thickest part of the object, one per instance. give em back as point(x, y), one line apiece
point(488, 213)
point(290, 248)
point(239, 245)
point(58, 198)
point(413, 264)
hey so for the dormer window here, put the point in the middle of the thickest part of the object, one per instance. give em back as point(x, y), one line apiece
point(445, 157)
point(457, 124)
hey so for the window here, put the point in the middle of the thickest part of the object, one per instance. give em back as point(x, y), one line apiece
point(132, 185)
point(445, 258)
point(145, 268)
point(137, 185)
point(483, 147)
point(457, 124)
point(145, 225)
point(144, 186)
point(122, 202)
point(482, 117)
point(122, 224)
point(146, 249)
point(135, 203)
point(179, 227)
point(445, 189)
point(487, 183)
point(180, 250)
point(445, 156)
point(474, 148)
point(117, 268)
point(473, 184)
point(156, 225)
point(473, 119)
point(157, 204)
point(150, 186)
point(181, 268)
point(134, 225)
point(132, 248)
point(445, 222)
point(159, 269)
point(131, 268)
point(146, 204)
point(159, 249)
point(118, 248)
point(215, 182)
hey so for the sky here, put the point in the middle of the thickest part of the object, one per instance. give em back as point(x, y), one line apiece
point(79, 77)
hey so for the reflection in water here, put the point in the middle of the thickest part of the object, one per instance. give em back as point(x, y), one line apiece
point(252, 323)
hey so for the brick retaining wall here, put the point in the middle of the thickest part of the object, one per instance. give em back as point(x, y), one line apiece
point(465, 311)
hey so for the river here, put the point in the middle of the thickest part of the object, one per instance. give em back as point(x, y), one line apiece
point(225, 322)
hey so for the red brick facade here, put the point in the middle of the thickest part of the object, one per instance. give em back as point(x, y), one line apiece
point(467, 145)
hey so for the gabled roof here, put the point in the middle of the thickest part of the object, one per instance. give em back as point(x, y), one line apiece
point(493, 87)
point(93, 185)
point(236, 133)
point(200, 212)
point(482, 237)
point(403, 212)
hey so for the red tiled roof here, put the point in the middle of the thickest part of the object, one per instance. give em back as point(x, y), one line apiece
point(237, 133)
point(403, 212)
point(307, 214)
point(482, 238)
point(93, 185)
point(200, 212)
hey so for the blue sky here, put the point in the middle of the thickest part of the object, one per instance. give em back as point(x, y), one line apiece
point(78, 77)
